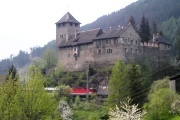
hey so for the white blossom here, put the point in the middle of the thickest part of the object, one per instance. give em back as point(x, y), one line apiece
point(65, 110)
point(127, 112)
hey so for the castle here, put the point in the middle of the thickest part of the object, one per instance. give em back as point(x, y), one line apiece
point(76, 49)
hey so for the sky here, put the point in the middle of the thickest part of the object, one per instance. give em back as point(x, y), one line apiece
point(31, 23)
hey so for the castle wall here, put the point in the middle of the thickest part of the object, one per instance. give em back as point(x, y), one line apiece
point(84, 57)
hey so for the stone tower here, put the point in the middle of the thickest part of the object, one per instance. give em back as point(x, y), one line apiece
point(66, 26)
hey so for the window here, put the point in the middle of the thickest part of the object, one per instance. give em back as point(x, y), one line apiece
point(109, 50)
point(61, 36)
point(70, 24)
point(125, 50)
point(99, 51)
point(136, 50)
point(115, 41)
point(106, 41)
point(76, 24)
point(63, 24)
point(74, 49)
point(109, 41)
point(125, 40)
point(131, 42)
point(136, 42)
point(131, 50)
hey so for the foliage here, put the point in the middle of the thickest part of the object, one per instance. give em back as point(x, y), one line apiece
point(126, 111)
point(64, 110)
point(25, 101)
point(117, 91)
point(160, 99)
point(147, 72)
point(49, 57)
point(88, 111)
point(64, 90)
point(153, 9)
point(144, 30)
point(132, 21)
point(175, 107)
point(5, 64)
point(136, 87)
point(177, 44)
point(21, 59)
point(154, 28)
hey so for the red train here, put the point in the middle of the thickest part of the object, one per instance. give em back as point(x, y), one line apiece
point(82, 91)
point(74, 91)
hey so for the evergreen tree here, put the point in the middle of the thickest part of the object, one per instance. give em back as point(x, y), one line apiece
point(12, 74)
point(132, 21)
point(142, 29)
point(148, 33)
point(177, 44)
point(135, 83)
point(154, 28)
point(118, 89)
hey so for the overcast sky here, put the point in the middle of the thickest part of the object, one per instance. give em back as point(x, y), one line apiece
point(31, 23)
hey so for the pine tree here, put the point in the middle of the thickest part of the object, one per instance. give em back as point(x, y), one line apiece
point(154, 28)
point(135, 83)
point(148, 33)
point(177, 44)
point(132, 21)
point(142, 29)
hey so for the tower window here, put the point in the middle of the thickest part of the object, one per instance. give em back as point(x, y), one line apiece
point(76, 24)
point(61, 36)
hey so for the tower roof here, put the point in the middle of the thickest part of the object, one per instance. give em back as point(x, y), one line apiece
point(68, 18)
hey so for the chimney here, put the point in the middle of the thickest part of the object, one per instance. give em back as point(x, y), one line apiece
point(110, 28)
point(67, 37)
point(153, 37)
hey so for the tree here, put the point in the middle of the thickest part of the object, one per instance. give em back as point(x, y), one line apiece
point(117, 91)
point(28, 101)
point(126, 112)
point(142, 29)
point(132, 21)
point(49, 57)
point(154, 28)
point(134, 77)
point(148, 32)
point(36, 102)
point(10, 108)
point(177, 44)
point(160, 99)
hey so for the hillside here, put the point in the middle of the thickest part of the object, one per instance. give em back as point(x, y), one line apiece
point(154, 10)
point(168, 21)
point(24, 58)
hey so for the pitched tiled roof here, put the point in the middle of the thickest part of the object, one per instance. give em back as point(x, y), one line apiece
point(82, 37)
point(68, 18)
point(110, 34)
point(159, 39)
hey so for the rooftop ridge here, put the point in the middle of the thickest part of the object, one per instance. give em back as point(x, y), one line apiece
point(89, 30)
